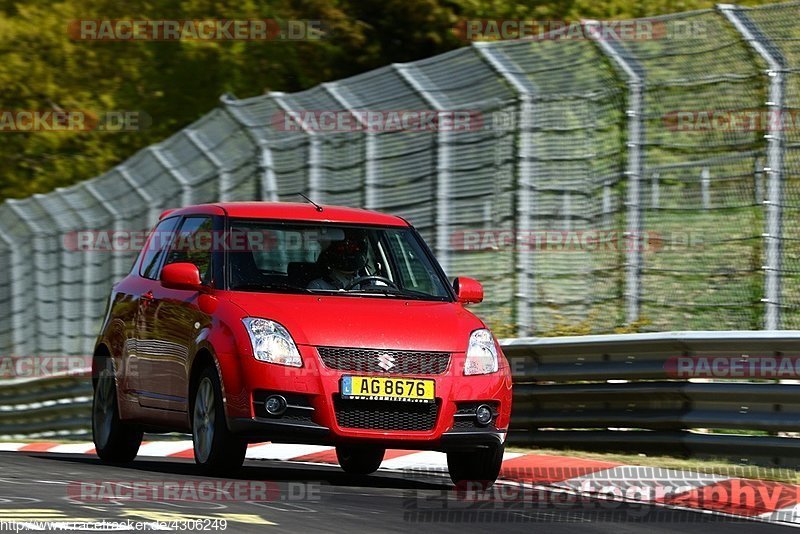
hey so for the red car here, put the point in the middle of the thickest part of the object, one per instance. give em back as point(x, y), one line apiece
point(298, 323)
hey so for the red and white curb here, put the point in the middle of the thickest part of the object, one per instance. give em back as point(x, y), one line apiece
point(719, 494)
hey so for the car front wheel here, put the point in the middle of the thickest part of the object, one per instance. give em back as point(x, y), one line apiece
point(216, 449)
point(479, 468)
point(115, 441)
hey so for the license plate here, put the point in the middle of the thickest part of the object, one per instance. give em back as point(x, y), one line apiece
point(380, 388)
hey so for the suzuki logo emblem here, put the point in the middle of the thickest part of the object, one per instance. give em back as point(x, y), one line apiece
point(385, 361)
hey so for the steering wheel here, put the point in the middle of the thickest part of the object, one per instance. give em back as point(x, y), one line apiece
point(361, 279)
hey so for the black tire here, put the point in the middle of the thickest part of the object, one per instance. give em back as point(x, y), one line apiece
point(216, 449)
point(479, 468)
point(115, 441)
point(359, 460)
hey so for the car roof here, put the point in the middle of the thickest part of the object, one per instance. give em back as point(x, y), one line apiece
point(292, 211)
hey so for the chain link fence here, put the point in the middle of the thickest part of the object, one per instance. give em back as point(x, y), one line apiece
point(596, 193)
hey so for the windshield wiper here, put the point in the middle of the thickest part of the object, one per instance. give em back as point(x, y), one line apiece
point(396, 292)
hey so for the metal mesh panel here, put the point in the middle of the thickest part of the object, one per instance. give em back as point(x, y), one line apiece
point(703, 266)
point(96, 269)
point(573, 182)
point(228, 143)
point(557, 162)
point(6, 301)
point(405, 161)
point(781, 26)
point(480, 168)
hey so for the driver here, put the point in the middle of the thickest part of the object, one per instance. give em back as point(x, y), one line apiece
point(344, 262)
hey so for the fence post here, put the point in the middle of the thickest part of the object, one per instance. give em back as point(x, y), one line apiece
point(314, 159)
point(117, 267)
point(705, 187)
point(36, 233)
point(153, 211)
point(224, 176)
point(19, 271)
point(777, 67)
point(634, 172)
point(525, 90)
point(267, 186)
point(443, 165)
point(186, 188)
point(370, 146)
point(89, 323)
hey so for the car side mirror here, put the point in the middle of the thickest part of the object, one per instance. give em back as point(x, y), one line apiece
point(468, 290)
point(181, 276)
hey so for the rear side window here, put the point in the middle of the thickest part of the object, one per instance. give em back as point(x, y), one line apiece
point(156, 247)
point(192, 244)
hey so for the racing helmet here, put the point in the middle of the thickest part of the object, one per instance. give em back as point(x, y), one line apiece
point(348, 254)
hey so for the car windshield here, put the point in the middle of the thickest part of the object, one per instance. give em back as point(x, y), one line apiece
point(295, 257)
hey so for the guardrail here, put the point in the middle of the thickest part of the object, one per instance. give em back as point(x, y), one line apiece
point(57, 406)
point(660, 393)
point(623, 392)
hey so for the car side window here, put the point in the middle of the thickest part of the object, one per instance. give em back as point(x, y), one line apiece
point(410, 271)
point(192, 244)
point(156, 247)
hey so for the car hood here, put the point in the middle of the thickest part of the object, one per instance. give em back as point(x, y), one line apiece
point(369, 322)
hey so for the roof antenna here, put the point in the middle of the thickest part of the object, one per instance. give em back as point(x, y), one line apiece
point(317, 206)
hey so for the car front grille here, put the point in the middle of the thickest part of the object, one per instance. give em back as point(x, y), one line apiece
point(384, 361)
point(385, 415)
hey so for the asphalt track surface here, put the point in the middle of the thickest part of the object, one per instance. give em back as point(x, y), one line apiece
point(318, 498)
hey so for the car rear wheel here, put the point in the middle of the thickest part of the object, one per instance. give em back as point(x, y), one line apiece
point(359, 460)
point(480, 468)
point(216, 449)
point(115, 441)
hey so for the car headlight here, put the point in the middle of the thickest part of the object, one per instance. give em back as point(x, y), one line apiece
point(271, 342)
point(481, 353)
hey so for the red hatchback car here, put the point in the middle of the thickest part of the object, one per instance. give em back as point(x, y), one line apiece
point(298, 323)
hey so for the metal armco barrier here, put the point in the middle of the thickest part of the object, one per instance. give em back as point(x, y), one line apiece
point(52, 407)
point(611, 392)
point(623, 393)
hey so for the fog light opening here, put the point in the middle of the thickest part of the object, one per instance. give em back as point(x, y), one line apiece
point(483, 414)
point(275, 405)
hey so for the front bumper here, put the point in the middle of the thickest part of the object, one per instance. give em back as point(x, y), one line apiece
point(261, 429)
point(320, 386)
